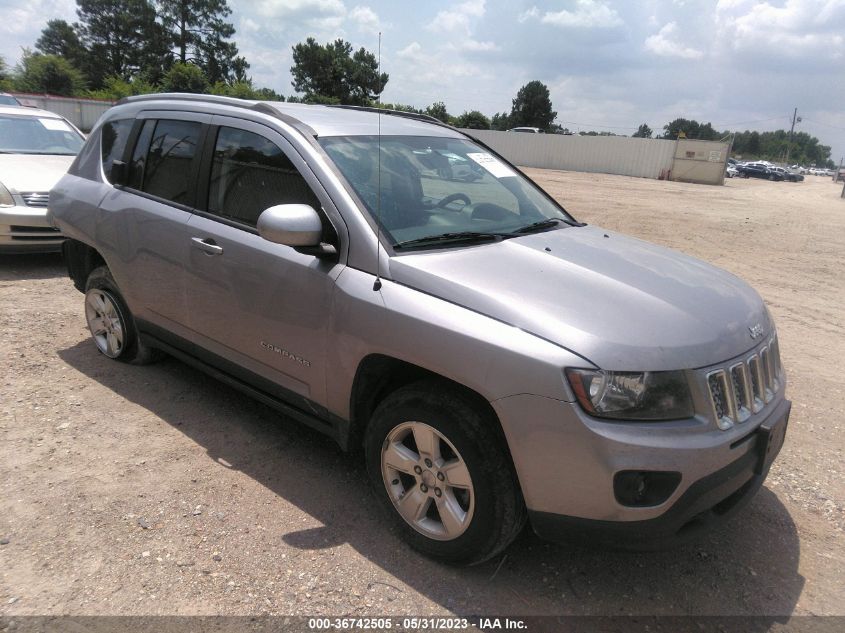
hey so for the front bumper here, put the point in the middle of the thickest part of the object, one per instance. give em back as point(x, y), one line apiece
point(26, 229)
point(566, 463)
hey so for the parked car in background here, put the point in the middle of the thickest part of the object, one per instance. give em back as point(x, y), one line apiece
point(495, 360)
point(529, 130)
point(8, 100)
point(731, 171)
point(36, 149)
point(788, 175)
point(759, 170)
point(798, 169)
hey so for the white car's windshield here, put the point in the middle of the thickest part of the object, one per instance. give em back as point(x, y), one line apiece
point(38, 135)
point(426, 187)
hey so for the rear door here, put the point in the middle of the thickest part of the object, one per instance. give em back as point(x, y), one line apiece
point(149, 216)
point(255, 305)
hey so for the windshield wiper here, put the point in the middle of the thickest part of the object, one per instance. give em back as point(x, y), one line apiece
point(462, 236)
point(538, 226)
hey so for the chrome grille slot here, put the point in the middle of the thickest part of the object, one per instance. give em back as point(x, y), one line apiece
point(35, 198)
point(766, 371)
point(721, 397)
point(739, 382)
point(777, 368)
point(756, 380)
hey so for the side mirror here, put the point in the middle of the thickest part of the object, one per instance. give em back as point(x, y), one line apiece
point(296, 225)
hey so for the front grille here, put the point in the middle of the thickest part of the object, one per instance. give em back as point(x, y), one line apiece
point(745, 388)
point(30, 233)
point(35, 198)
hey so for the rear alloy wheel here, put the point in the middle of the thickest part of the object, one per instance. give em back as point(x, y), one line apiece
point(111, 323)
point(105, 322)
point(443, 473)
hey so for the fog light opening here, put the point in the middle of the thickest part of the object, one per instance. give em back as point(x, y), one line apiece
point(641, 488)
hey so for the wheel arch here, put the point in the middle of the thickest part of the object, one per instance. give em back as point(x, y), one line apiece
point(80, 260)
point(379, 375)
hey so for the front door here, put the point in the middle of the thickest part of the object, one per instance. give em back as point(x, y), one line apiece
point(261, 306)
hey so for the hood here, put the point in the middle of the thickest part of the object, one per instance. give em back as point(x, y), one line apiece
point(619, 302)
point(32, 172)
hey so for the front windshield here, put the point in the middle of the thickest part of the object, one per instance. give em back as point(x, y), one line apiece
point(38, 135)
point(431, 186)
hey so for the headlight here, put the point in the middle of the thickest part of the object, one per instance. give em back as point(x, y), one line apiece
point(625, 395)
point(6, 199)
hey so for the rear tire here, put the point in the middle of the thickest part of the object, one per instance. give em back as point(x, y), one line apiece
point(434, 453)
point(111, 323)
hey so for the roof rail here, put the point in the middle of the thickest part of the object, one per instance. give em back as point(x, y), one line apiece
point(402, 113)
point(408, 115)
point(258, 106)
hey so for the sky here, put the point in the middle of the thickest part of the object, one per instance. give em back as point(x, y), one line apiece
point(609, 65)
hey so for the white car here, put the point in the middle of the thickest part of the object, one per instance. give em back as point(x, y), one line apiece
point(36, 149)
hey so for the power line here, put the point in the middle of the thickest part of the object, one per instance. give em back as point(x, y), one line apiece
point(835, 127)
point(774, 118)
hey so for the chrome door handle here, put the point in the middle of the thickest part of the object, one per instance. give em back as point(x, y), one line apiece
point(207, 245)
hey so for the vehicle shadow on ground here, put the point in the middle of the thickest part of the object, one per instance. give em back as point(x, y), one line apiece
point(748, 566)
point(31, 266)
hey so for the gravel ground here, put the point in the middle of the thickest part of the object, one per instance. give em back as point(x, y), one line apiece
point(156, 490)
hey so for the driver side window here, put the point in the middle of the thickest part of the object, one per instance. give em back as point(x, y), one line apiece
point(250, 173)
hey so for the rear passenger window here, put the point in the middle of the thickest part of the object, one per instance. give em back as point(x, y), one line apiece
point(167, 173)
point(249, 173)
point(113, 137)
point(139, 155)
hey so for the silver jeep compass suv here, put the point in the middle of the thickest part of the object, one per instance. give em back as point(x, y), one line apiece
point(394, 283)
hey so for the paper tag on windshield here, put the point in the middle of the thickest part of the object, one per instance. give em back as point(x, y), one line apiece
point(492, 164)
point(55, 124)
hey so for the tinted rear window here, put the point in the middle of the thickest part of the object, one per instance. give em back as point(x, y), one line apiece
point(113, 139)
point(167, 173)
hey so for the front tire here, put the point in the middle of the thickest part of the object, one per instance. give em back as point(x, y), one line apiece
point(443, 474)
point(110, 321)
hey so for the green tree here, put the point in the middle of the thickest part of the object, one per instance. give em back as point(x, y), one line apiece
point(691, 129)
point(644, 131)
point(115, 88)
point(268, 94)
point(532, 107)
point(438, 111)
point(199, 33)
point(61, 39)
point(48, 74)
point(122, 38)
point(334, 72)
point(5, 81)
point(500, 121)
point(473, 120)
point(185, 78)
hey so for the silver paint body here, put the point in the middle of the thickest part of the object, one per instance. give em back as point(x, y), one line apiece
point(503, 319)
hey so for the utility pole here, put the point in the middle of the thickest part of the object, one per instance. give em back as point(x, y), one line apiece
point(791, 130)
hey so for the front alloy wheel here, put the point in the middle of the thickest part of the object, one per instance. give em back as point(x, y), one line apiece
point(427, 481)
point(104, 321)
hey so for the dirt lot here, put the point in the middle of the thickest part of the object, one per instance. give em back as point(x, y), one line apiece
point(155, 490)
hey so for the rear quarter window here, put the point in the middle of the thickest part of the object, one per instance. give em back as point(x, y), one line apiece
point(113, 138)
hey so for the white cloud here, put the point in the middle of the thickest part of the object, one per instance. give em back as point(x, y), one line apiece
point(665, 44)
point(458, 18)
point(587, 14)
point(411, 51)
point(474, 46)
point(367, 20)
point(287, 8)
point(795, 28)
point(26, 19)
point(533, 12)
